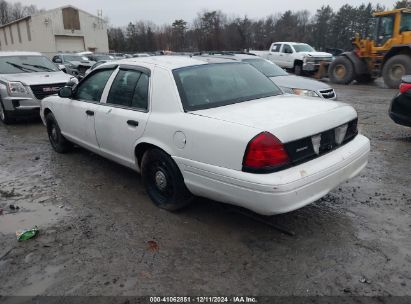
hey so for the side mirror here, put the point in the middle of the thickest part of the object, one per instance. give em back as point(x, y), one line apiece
point(66, 92)
point(58, 60)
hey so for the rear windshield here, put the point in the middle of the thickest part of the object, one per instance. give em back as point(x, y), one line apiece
point(26, 64)
point(74, 58)
point(266, 67)
point(213, 85)
point(303, 48)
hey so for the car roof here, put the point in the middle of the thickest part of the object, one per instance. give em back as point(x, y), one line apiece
point(288, 42)
point(170, 62)
point(16, 53)
point(226, 57)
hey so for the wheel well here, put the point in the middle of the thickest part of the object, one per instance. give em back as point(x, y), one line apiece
point(403, 50)
point(298, 62)
point(46, 111)
point(141, 149)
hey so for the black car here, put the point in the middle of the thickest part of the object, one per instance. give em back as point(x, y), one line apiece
point(400, 109)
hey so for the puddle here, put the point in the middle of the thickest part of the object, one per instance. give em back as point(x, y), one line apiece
point(29, 215)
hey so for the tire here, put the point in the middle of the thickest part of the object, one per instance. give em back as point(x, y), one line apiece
point(364, 78)
point(163, 181)
point(4, 116)
point(341, 71)
point(298, 69)
point(59, 143)
point(394, 69)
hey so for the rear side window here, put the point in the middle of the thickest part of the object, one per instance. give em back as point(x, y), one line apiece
point(92, 87)
point(276, 48)
point(130, 89)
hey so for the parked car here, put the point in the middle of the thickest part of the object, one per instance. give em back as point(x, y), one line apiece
point(25, 79)
point(118, 55)
point(222, 131)
point(300, 57)
point(99, 57)
point(400, 108)
point(290, 84)
point(141, 55)
point(98, 63)
point(74, 64)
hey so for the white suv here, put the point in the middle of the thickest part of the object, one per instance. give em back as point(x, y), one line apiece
point(25, 79)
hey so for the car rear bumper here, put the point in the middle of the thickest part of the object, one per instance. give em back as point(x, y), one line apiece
point(400, 110)
point(400, 119)
point(282, 191)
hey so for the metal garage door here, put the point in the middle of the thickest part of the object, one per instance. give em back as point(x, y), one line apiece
point(69, 44)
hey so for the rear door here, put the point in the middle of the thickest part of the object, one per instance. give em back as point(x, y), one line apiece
point(274, 54)
point(121, 119)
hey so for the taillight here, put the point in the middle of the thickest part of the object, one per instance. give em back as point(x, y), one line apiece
point(264, 153)
point(404, 87)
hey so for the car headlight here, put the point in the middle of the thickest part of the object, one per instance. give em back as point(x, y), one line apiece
point(287, 90)
point(16, 88)
point(302, 92)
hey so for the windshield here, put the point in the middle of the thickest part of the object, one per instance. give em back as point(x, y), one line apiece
point(213, 85)
point(268, 68)
point(26, 64)
point(303, 48)
point(74, 58)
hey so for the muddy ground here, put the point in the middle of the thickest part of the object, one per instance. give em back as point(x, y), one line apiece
point(101, 235)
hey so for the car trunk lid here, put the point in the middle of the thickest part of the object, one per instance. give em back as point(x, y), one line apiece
point(287, 117)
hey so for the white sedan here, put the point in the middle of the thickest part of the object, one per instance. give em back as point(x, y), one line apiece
point(221, 131)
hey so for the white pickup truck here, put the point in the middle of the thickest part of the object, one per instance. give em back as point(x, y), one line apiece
point(299, 57)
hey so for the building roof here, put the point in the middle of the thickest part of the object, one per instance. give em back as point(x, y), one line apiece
point(45, 12)
point(17, 53)
point(15, 21)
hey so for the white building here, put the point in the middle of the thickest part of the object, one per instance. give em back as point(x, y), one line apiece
point(64, 29)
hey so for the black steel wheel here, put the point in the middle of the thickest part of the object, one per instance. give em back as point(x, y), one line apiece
point(163, 181)
point(59, 143)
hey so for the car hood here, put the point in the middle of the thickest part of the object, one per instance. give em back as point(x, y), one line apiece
point(84, 63)
point(298, 82)
point(288, 117)
point(316, 54)
point(38, 78)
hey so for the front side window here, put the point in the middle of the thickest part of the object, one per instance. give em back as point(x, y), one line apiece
point(130, 89)
point(287, 49)
point(92, 87)
point(405, 22)
point(213, 85)
point(384, 29)
point(26, 64)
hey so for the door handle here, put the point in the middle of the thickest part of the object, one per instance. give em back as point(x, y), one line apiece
point(132, 123)
point(90, 113)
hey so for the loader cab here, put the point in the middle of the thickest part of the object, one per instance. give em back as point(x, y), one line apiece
point(384, 29)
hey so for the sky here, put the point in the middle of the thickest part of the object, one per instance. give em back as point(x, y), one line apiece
point(121, 12)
